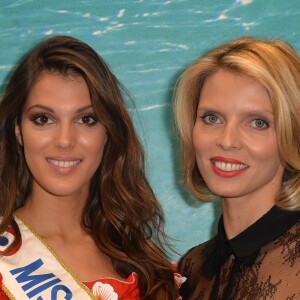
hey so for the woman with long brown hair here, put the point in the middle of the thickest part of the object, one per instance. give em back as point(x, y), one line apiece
point(79, 218)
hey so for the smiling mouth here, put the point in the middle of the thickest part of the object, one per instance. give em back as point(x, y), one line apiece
point(64, 163)
point(228, 167)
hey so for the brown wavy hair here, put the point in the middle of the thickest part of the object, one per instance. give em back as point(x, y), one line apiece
point(121, 213)
point(276, 66)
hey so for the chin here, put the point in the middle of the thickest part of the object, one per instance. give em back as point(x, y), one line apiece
point(225, 193)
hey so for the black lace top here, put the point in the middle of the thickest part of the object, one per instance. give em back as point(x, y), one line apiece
point(262, 262)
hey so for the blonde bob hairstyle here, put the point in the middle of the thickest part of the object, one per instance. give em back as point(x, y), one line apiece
point(276, 66)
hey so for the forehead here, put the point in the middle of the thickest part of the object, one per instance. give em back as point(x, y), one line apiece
point(228, 89)
point(54, 89)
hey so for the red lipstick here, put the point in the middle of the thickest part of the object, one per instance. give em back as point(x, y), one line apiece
point(227, 167)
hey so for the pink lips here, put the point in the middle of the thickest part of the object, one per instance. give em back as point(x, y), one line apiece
point(227, 167)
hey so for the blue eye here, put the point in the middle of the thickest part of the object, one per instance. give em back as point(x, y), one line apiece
point(260, 124)
point(210, 118)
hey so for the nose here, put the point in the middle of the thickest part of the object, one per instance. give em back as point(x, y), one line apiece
point(64, 136)
point(229, 138)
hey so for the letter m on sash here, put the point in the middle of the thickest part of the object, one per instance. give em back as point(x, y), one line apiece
point(33, 280)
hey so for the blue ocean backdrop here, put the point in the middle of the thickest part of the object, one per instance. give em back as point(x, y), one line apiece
point(148, 43)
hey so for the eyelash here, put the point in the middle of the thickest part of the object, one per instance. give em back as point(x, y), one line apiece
point(266, 124)
point(211, 114)
point(36, 119)
point(91, 116)
point(207, 115)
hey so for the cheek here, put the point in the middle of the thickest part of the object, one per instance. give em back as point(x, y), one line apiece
point(265, 150)
point(202, 148)
point(35, 145)
point(201, 142)
point(271, 159)
point(35, 142)
point(265, 158)
point(94, 144)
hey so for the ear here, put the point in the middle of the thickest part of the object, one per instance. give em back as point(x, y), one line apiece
point(18, 134)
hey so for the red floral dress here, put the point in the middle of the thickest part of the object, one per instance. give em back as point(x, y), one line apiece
point(114, 289)
point(106, 288)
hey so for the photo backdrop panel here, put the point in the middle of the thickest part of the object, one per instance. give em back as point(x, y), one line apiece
point(148, 44)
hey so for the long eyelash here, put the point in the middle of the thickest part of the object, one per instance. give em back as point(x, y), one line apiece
point(92, 116)
point(34, 118)
point(266, 122)
point(207, 114)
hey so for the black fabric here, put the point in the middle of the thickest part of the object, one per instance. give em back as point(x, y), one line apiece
point(243, 251)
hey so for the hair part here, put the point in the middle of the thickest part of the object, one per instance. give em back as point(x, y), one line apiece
point(276, 66)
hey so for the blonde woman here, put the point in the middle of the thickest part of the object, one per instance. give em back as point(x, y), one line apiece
point(238, 114)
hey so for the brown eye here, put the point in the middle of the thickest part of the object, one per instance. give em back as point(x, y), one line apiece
point(88, 120)
point(41, 120)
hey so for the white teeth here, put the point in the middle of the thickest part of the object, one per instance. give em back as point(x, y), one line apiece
point(64, 164)
point(229, 166)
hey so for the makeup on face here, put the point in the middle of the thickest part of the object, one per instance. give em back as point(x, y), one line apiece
point(234, 136)
point(62, 138)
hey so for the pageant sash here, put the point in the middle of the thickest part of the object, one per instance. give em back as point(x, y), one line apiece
point(35, 272)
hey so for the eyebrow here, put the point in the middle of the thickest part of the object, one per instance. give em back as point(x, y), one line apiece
point(252, 112)
point(47, 108)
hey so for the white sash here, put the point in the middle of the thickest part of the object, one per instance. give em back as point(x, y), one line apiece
point(34, 272)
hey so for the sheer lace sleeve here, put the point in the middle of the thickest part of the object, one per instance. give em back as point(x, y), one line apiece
point(191, 267)
point(248, 267)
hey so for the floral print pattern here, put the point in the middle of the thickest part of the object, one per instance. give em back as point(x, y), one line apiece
point(104, 291)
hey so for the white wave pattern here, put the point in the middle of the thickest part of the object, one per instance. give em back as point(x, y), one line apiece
point(49, 32)
point(244, 2)
point(7, 67)
point(221, 17)
point(104, 291)
point(152, 107)
point(121, 13)
point(248, 25)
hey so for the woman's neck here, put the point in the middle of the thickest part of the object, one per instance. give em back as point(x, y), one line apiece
point(52, 215)
point(239, 214)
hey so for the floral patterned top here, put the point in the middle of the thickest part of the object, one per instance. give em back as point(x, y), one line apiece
point(262, 262)
point(104, 288)
point(111, 289)
point(107, 288)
